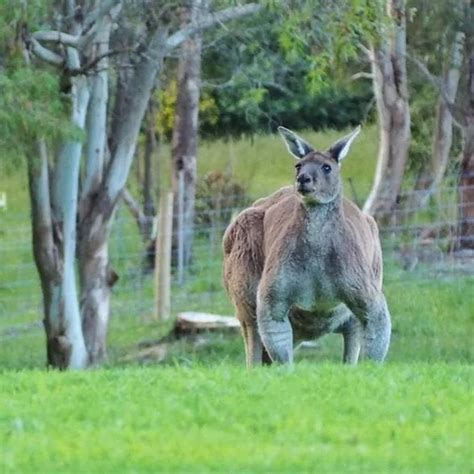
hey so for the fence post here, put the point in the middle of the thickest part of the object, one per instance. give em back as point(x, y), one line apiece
point(163, 258)
point(180, 229)
point(3, 201)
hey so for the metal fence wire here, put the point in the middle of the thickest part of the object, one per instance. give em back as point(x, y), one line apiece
point(417, 242)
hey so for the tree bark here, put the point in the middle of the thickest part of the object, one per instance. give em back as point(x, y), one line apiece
point(391, 94)
point(64, 347)
point(65, 198)
point(185, 135)
point(151, 149)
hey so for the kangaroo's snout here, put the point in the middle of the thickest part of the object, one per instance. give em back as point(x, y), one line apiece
point(305, 183)
point(304, 178)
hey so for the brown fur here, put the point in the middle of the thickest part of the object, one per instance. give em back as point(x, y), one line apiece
point(306, 257)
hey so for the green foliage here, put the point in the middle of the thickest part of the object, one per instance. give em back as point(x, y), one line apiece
point(431, 28)
point(292, 69)
point(217, 194)
point(30, 103)
point(423, 116)
point(328, 35)
point(30, 108)
point(17, 19)
point(208, 112)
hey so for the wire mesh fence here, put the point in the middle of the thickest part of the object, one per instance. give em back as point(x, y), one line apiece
point(418, 243)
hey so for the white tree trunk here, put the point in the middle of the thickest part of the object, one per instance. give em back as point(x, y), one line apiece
point(95, 276)
point(54, 210)
point(54, 241)
point(432, 176)
point(65, 203)
point(391, 94)
point(185, 134)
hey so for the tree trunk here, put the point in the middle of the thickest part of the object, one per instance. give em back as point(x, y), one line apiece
point(65, 205)
point(185, 135)
point(65, 347)
point(434, 171)
point(54, 241)
point(151, 149)
point(466, 192)
point(96, 278)
point(391, 93)
point(466, 179)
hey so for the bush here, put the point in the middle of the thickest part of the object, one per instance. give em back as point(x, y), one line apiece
point(218, 196)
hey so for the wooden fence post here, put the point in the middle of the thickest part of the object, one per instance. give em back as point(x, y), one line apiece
point(163, 258)
point(180, 229)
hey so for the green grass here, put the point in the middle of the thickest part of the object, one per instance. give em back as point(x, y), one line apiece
point(433, 321)
point(325, 419)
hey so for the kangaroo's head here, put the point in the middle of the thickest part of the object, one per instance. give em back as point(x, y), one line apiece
point(317, 172)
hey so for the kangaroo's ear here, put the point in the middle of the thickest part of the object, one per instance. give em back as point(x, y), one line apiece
point(340, 149)
point(295, 144)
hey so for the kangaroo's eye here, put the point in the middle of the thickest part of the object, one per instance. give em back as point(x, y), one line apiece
point(298, 166)
point(326, 169)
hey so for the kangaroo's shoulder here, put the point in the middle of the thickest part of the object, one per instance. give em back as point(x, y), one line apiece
point(245, 228)
point(268, 201)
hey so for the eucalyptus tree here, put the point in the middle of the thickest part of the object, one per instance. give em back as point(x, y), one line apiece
point(458, 106)
point(436, 48)
point(67, 220)
point(185, 133)
point(387, 55)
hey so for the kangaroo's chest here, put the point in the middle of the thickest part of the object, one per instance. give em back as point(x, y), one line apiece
point(316, 287)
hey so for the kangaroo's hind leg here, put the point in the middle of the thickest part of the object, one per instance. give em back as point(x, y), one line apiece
point(254, 351)
point(351, 330)
point(352, 334)
point(375, 319)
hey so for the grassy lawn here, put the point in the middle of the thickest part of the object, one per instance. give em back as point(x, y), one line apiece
point(402, 418)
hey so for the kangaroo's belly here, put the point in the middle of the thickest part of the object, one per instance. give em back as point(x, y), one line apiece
point(314, 293)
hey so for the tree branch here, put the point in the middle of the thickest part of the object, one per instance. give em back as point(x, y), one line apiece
point(93, 62)
point(133, 206)
point(56, 37)
point(362, 75)
point(364, 49)
point(210, 20)
point(97, 13)
point(111, 7)
point(44, 53)
point(456, 113)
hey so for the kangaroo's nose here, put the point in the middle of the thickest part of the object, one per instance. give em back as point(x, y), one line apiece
point(304, 178)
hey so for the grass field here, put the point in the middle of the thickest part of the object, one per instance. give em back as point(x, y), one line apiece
point(199, 410)
point(328, 419)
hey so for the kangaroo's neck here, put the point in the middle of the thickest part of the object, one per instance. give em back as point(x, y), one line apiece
point(323, 216)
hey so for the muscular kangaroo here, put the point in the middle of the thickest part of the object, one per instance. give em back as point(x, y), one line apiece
point(307, 261)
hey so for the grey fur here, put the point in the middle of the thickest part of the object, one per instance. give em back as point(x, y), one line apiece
point(305, 262)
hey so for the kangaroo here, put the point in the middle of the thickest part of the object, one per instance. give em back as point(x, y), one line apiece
point(306, 262)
